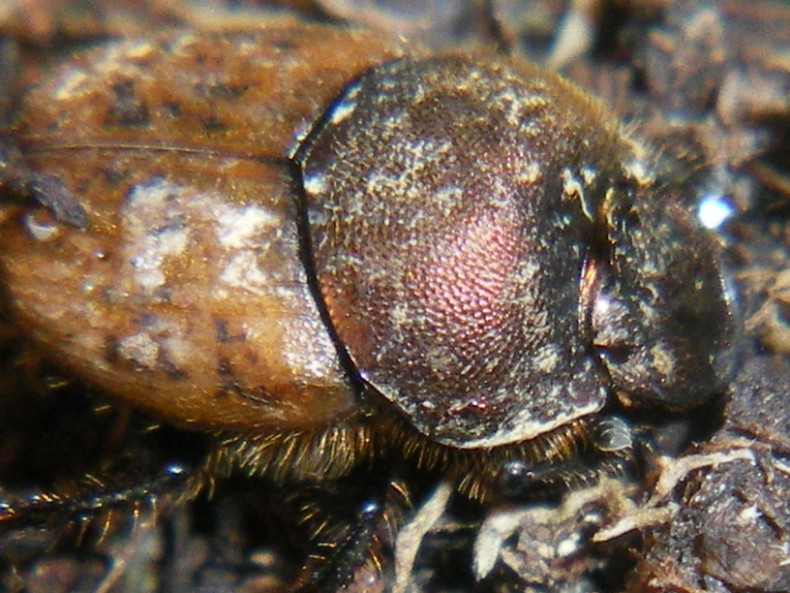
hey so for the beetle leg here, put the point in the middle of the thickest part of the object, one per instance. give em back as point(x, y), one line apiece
point(350, 543)
point(47, 190)
point(612, 434)
point(92, 499)
point(607, 448)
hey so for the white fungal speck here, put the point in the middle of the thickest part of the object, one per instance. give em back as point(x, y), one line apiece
point(749, 514)
point(41, 230)
point(140, 349)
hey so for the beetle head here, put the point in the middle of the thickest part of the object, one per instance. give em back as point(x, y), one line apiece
point(662, 315)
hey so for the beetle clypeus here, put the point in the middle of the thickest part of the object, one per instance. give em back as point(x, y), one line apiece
point(327, 248)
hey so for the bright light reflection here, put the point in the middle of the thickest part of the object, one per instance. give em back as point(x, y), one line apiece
point(713, 210)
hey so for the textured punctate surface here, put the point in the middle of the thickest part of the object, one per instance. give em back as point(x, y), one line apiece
point(451, 205)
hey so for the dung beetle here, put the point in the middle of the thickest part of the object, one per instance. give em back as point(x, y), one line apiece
point(325, 248)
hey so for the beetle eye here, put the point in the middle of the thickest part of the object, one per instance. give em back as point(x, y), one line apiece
point(662, 318)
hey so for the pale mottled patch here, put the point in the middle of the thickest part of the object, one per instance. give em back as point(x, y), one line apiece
point(242, 270)
point(400, 316)
point(71, 84)
point(308, 348)
point(155, 230)
point(183, 44)
point(547, 359)
point(662, 360)
point(139, 49)
point(141, 349)
point(179, 351)
point(241, 227)
point(116, 61)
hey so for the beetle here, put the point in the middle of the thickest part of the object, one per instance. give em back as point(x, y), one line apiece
point(325, 247)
